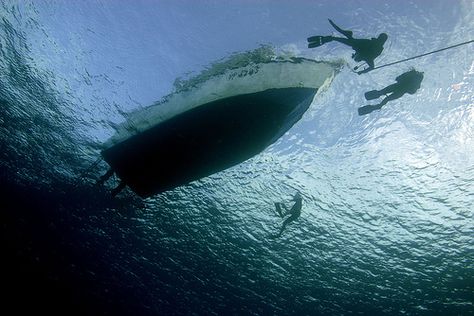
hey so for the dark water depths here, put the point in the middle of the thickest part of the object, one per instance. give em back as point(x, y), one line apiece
point(387, 224)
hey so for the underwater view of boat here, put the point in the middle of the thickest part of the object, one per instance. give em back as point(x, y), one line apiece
point(291, 184)
point(214, 124)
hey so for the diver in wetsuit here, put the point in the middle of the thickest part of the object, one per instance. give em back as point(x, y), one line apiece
point(295, 211)
point(107, 176)
point(408, 82)
point(365, 49)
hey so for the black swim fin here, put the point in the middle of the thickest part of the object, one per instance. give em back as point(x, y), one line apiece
point(315, 41)
point(316, 38)
point(364, 110)
point(374, 94)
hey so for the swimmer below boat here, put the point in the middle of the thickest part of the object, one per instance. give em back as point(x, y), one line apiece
point(218, 124)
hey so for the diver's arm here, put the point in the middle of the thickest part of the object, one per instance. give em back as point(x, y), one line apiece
point(285, 223)
point(371, 65)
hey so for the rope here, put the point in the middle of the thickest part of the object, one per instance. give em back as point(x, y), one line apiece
point(418, 56)
point(88, 170)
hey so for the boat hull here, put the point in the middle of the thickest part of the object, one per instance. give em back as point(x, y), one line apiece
point(206, 139)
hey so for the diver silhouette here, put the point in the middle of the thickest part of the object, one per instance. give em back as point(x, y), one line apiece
point(365, 49)
point(408, 82)
point(106, 177)
point(294, 212)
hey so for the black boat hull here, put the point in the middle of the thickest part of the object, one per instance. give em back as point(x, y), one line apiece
point(207, 139)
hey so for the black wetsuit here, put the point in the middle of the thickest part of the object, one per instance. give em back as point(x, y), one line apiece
point(408, 82)
point(365, 49)
point(295, 212)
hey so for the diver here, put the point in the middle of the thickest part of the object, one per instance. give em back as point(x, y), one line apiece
point(408, 82)
point(365, 49)
point(119, 188)
point(106, 177)
point(294, 212)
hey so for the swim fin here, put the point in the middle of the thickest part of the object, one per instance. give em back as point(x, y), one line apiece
point(346, 33)
point(316, 41)
point(316, 38)
point(364, 110)
point(373, 94)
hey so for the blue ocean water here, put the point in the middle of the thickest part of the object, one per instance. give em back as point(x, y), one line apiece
point(387, 222)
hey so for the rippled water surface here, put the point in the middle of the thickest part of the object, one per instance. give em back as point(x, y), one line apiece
point(387, 222)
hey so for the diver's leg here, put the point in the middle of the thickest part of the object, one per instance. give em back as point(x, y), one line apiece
point(389, 89)
point(374, 94)
point(281, 231)
point(370, 63)
point(346, 41)
point(346, 33)
point(395, 95)
point(282, 227)
point(370, 108)
point(278, 207)
point(106, 176)
point(119, 188)
point(291, 219)
point(286, 222)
